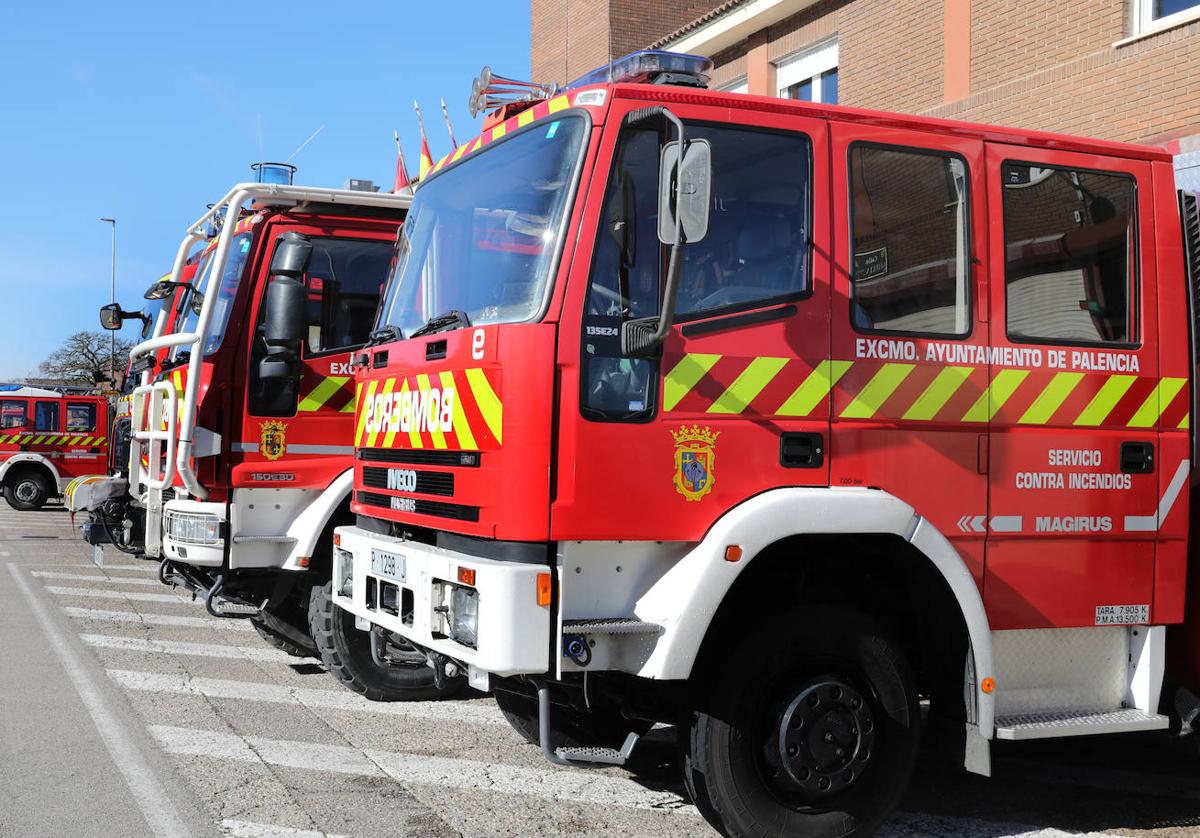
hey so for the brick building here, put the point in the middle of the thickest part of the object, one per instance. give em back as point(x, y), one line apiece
point(1115, 69)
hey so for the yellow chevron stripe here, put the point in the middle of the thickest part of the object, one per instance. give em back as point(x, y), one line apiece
point(485, 399)
point(3, 437)
point(1051, 398)
point(998, 391)
point(462, 428)
point(757, 375)
point(524, 118)
point(498, 131)
point(435, 433)
point(414, 438)
point(322, 393)
point(685, 375)
point(875, 393)
point(559, 103)
point(944, 385)
point(1159, 400)
point(1105, 400)
point(38, 441)
point(362, 414)
point(814, 389)
point(386, 392)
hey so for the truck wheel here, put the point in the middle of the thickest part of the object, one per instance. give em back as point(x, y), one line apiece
point(600, 728)
point(26, 490)
point(280, 642)
point(346, 652)
point(811, 728)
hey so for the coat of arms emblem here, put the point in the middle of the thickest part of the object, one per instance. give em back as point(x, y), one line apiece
point(695, 461)
point(274, 440)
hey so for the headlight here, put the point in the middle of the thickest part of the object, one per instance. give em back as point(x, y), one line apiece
point(345, 572)
point(193, 527)
point(464, 616)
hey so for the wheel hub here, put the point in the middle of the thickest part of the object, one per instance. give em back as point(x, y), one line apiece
point(826, 736)
point(26, 491)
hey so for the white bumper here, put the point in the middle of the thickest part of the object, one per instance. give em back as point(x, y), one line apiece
point(185, 536)
point(513, 631)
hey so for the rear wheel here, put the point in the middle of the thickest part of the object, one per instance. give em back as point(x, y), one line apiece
point(811, 729)
point(26, 490)
point(346, 651)
point(569, 728)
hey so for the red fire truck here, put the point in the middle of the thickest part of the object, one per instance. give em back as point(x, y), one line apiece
point(771, 420)
point(48, 438)
point(241, 434)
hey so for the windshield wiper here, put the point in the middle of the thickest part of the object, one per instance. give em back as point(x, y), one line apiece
point(454, 317)
point(385, 334)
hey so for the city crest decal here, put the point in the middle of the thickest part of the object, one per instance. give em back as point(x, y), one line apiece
point(695, 461)
point(274, 440)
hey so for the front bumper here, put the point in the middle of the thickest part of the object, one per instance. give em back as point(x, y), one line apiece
point(512, 631)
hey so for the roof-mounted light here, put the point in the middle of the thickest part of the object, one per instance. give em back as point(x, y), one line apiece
point(280, 173)
point(651, 66)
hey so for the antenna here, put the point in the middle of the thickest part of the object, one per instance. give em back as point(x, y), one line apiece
point(311, 137)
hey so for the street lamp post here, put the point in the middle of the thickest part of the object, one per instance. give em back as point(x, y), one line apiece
point(112, 345)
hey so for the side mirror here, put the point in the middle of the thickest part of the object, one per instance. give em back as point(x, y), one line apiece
point(684, 191)
point(283, 327)
point(160, 290)
point(291, 255)
point(110, 317)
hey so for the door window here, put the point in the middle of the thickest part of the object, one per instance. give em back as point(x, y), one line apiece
point(13, 413)
point(81, 417)
point(45, 416)
point(344, 280)
point(1068, 255)
point(908, 226)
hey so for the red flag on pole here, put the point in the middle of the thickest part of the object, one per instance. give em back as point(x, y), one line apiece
point(401, 183)
point(426, 158)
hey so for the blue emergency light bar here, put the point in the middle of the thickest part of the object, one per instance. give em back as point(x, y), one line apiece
point(649, 65)
point(280, 173)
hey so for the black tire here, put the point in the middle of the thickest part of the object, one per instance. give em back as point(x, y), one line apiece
point(799, 680)
point(26, 490)
point(600, 728)
point(282, 643)
point(346, 652)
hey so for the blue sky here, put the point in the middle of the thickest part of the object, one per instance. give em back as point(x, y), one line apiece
point(148, 111)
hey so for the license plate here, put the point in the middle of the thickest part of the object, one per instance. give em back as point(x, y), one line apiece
point(387, 564)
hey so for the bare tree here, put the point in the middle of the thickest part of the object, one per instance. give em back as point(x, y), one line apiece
point(84, 358)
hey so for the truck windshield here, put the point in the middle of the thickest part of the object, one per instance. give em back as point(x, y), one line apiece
point(225, 290)
point(482, 237)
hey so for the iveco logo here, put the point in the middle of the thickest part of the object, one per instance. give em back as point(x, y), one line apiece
point(402, 480)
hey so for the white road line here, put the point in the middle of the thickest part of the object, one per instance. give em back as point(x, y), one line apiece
point(202, 650)
point(249, 829)
point(456, 711)
point(143, 783)
point(909, 824)
point(99, 594)
point(156, 619)
point(577, 786)
point(91, 577)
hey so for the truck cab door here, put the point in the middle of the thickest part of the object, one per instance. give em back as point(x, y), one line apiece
point(1076, 476)
point(737, 402)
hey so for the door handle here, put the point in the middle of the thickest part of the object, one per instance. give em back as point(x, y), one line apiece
point(1137, 457)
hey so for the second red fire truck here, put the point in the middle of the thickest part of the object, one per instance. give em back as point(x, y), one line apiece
point(771, 420)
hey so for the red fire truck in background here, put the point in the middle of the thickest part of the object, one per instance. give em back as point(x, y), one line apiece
point(770, 420)
point(48, 437)
point(241, 445)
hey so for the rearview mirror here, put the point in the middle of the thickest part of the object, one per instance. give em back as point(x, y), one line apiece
point(283, 327)
point(159, 290)
point(291, 255)
point(110, 317)
point(684, 191)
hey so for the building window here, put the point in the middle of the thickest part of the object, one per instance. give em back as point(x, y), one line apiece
point(811, 75)
point(1160, 14)
point(738, 85)
point(1068, 254)
point(908, 236)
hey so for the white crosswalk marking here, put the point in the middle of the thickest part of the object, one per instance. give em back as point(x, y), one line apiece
point(249, 829)
point(469, 775)
point(172, 647)
point(92, 577)
point(340, 699)
point(156, 619)
point(101, 594)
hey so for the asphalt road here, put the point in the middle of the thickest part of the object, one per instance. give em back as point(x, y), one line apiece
point(126, 711)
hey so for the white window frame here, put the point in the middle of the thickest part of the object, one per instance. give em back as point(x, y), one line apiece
point(739, 85)
point(807, 64)
point(1144, 22)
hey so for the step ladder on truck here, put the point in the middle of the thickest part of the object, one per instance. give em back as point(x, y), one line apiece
point(772, 420)
point(241, 444)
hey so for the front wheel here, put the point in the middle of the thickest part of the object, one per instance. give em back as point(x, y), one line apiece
point(346, 652)
point(26, 491)
point(810, 729)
